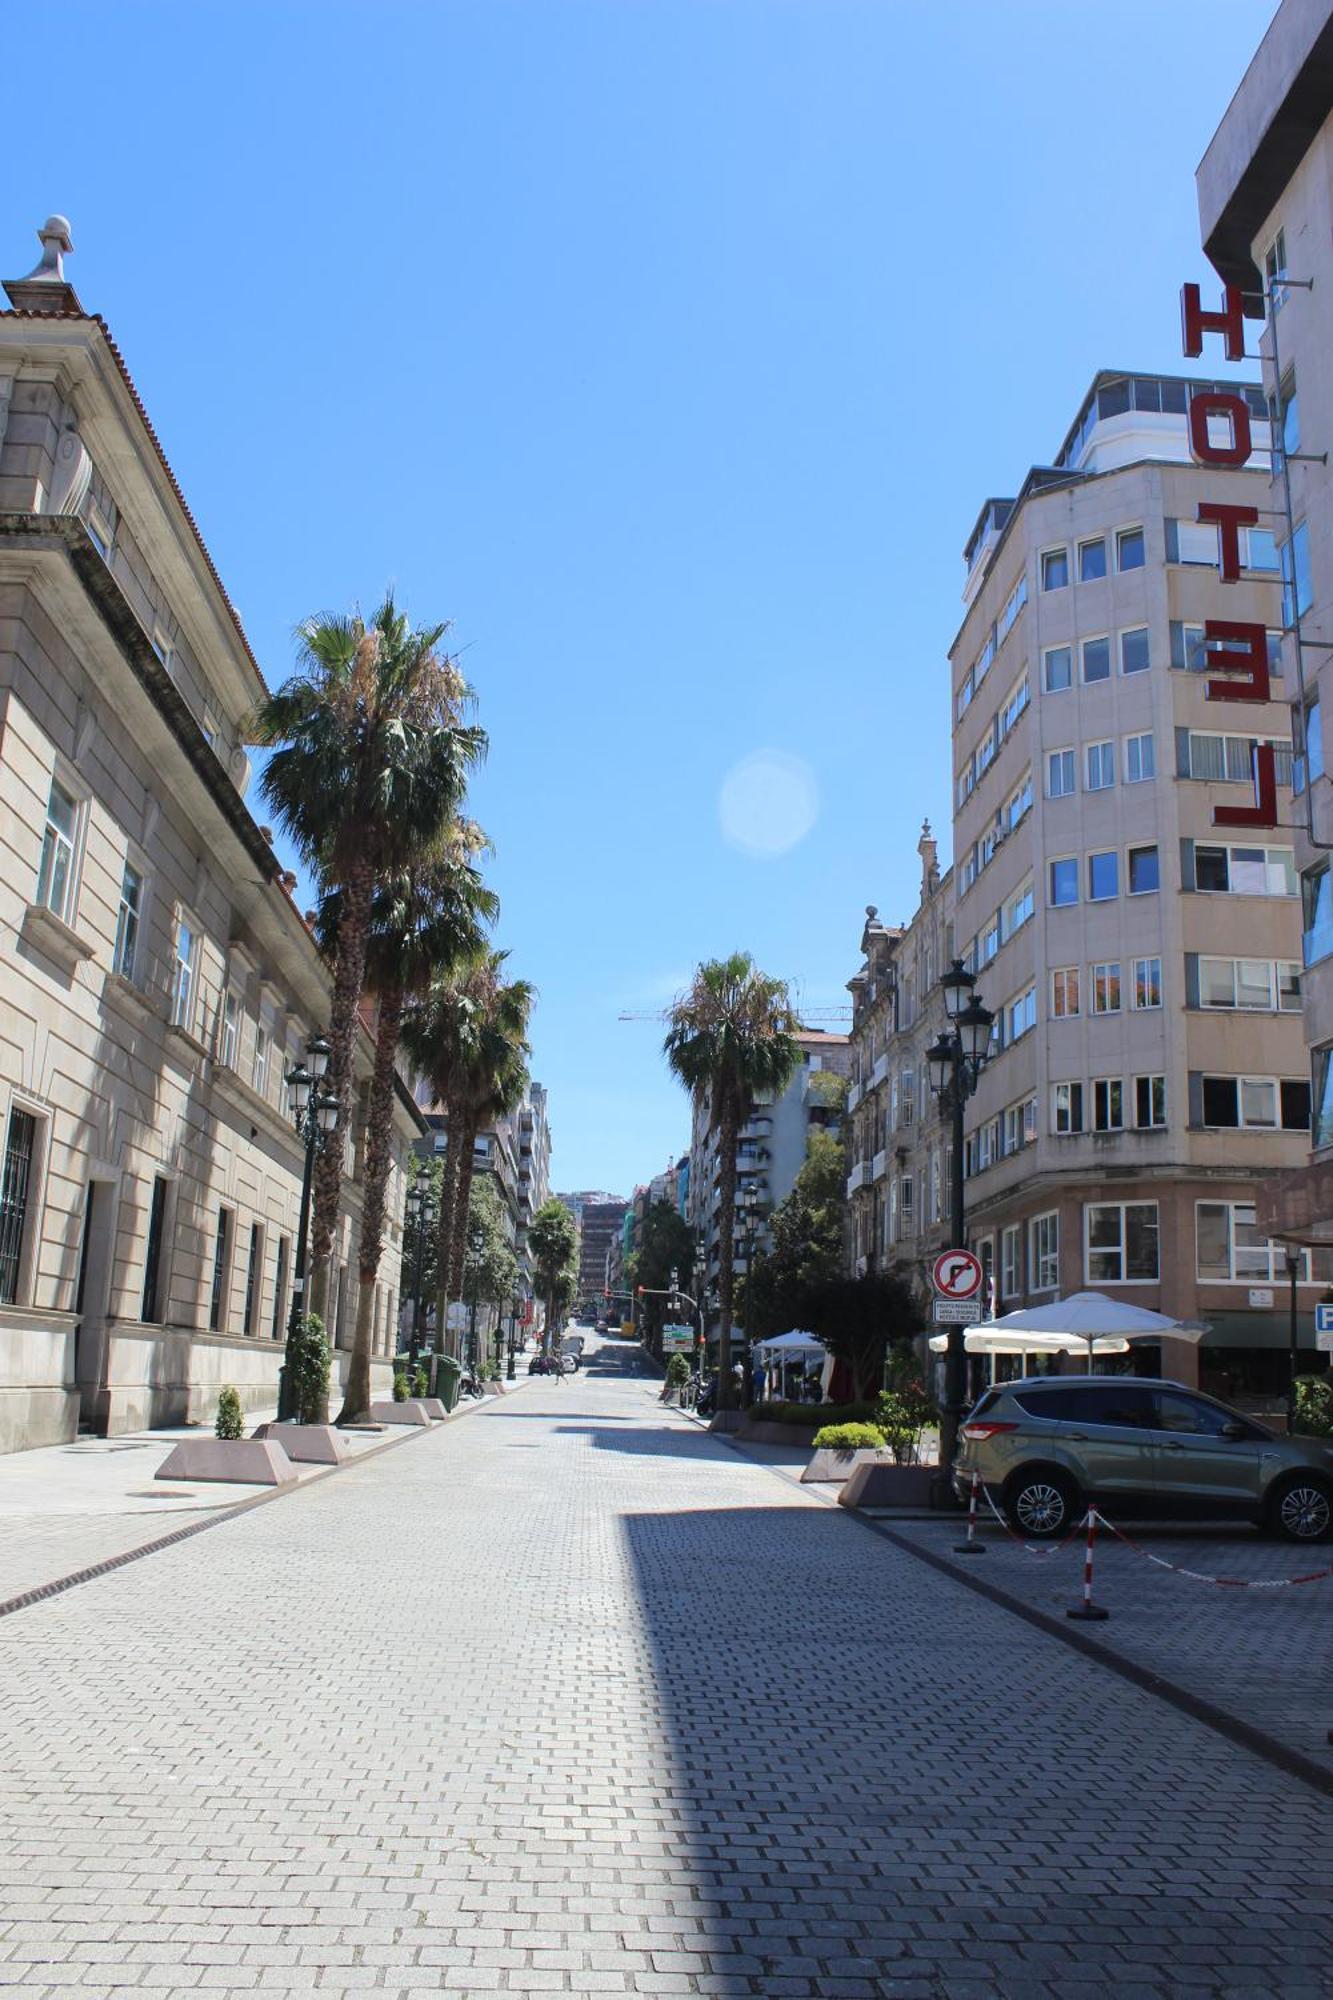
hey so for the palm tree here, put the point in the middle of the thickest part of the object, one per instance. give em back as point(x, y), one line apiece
point(372, 761)
point(423, 922)
point(468, 1037)
point(731, 1038)
point(553, 1240)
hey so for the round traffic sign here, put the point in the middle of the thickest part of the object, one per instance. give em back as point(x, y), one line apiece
point(956, 1274)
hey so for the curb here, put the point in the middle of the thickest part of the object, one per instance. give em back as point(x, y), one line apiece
point(59, 1585)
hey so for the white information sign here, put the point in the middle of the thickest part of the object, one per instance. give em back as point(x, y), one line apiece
point(677, 1339)
point(958, 1312)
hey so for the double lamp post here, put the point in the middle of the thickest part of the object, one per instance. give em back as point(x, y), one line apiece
point(955, 1061)
point(315, 1115)
point(421, 1214)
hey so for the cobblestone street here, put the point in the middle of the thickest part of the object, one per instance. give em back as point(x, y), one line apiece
point(573, 1697)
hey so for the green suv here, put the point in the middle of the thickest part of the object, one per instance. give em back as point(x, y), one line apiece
point(1047, 1445)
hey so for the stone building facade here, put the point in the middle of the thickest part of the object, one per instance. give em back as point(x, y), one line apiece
point(157, 977)
point(899, 1150)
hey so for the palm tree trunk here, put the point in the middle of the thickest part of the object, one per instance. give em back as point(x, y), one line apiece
point(444, 1238)
point(728, 1133)
point(379, 1159)
point(348, 970)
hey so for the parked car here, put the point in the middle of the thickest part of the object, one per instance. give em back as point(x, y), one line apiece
point(1048, 1445)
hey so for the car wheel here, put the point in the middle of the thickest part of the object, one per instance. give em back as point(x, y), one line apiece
point(1041, 1503)
point(1300, 1508)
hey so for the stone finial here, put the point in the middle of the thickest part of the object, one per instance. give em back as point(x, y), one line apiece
point(872, 911)
point(46, 288)
point(927, 848)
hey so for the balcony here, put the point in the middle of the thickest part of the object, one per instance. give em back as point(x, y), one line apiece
point(880, 1071)
point(879, 1165)
point(757, 1127)
point(857, 1177)
point(854, 1096)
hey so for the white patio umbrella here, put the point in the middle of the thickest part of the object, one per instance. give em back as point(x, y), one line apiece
point(785, 1347)
point(1088, 1323)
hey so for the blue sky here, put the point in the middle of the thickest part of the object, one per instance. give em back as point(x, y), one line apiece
point(668, 347)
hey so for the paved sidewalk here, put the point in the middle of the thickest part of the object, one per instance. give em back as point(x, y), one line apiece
point(574, 1698)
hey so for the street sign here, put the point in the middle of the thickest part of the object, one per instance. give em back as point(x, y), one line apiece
point(1261, 1295)
point(1323, 1319)
point(677, 1339)
point(956, 1274)
point(958, 1312)
point(1324, 1342)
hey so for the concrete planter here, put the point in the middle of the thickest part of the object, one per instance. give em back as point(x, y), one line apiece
point(238, 1461)
point(729, 1420)
point(830, 1468)
point(410, 1412)
point(306, 1444)
point(758, 1430)
point(881, 1483)
point(434, 1408)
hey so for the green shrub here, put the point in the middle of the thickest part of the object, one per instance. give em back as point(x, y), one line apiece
point(401, 1391)
point(677, 1371)
point(849, 1437)
point(902, 1414)
point(230, 1422)
point(421, 1380)
point(811, 1416)
point(308, 1363)
point(1314, 1405)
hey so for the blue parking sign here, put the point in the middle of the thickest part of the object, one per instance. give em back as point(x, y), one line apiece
point(1323, 1319)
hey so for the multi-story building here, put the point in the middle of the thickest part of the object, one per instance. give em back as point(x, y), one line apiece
point(158, 980)
point(1147, 1071)
point(534, 1173)
point(598, 1225)
point(899, 1151)
point(771, 1147)
point(1265, 189)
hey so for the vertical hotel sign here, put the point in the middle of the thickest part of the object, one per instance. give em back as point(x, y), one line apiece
point(1232, 647)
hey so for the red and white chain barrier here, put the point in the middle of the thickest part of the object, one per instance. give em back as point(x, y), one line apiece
point(1222, 1582)
point(971, 1547)
point(1087, 1609)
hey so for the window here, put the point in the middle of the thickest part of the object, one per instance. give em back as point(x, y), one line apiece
point(1013, 604)
point(1044, 1251)
point(1261, 550)
point(1147, 982)
point(1187, 647)
point(1059, 774)
point(1275, 269)
point(55, 877)
point(1108, 1104)
point(101, 533)
point(1101, 766)
point(1129, 549)
point(1140, 759)
point(1019, 804)
point(1321, 1133)
point(1106, 987)
point(253, 1278)
point(1310, 733)
point(1055, 569)
point(183, 980)
point(1193, 542)
point(1145, 877)
point(1091, 561)
point(152, 1303)
point(1096, 660)
point(15, 1200)
point(279, 1290)
point(1103, 876)
point(1245, 871)
point(1264, 1103)
point(1022, 1015)
point(259, 1073)
point(1134, 651)
point(1064, 882)
point(1057, 668)
point(221, 1247)
point(1229, 1249)
point(1018, 910)
point(1064, 993)
point(1317, 906)
point(1067, 1107)
point(127, 923)
point(1288, 986)
point(1009, 1246)
point(1150, 1103)
point(1289, 413)
point(231, 1022)
point(1297, 580)
point(905, 1196)
point(1121, 1242)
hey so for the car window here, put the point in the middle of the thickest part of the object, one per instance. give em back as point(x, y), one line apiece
point(1183, 1414)
point(1107, 1403)
point(1127, 1406)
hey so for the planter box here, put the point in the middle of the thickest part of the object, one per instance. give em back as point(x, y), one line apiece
point(411, 1412)
point(239, 1461)
point(728, 1420)
point(434, 1408)
point(880, 1483)
point(758, 1430)
point(306, 1444)
point(829, 1468)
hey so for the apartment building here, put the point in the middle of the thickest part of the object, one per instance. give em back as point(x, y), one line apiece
point(534, 1174)
point(771, 1147)
point(899, 1150)
point(1147, 1069)
point(157, 979)
point(599, 1224)
point(1265, 189)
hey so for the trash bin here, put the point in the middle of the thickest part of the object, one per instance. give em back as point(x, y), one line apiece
point(448, 1375)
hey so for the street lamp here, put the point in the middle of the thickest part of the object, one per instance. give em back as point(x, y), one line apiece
point(421, 1214)
point(475, 1244)
point(955, 1062)
point(315, 1115)
point(749, 1204)
point(515, 1307)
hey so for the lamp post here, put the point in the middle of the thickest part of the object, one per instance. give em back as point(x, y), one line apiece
point(514, 1308)
point(750, 1220)
point(421, 1214)
point(314, 1113)
point(955, 1062)
point(475, 1243)
point(1294, 1255)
